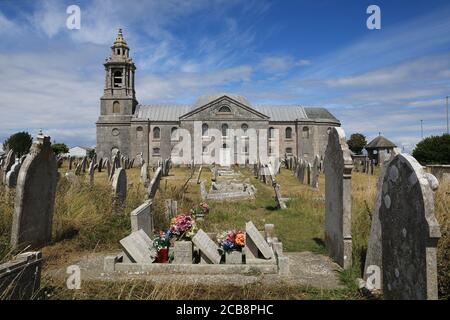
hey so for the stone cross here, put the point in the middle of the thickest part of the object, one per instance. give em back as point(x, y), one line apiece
point(338, 210)
point(35, 196)
point(209, 251)
point(409, 231)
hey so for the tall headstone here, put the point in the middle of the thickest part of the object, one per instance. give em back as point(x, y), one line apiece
point(84, 164)
point(302, 171)
point(338, 203)
point(12, 175)
point(154, 184)
point(70, 163)
point(119, 185)
point(255, 242)
point(144, 173)
point(199, 174)
point(209, 251)
point(142, 218)
point(9, 162)
point(108, 167)
point(100, 165)
point(315, 173)
point(35, 196)
point(308, 174)
point(91, 172)
point(409, 231)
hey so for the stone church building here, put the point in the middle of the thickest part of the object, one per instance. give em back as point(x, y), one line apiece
point(135, 129)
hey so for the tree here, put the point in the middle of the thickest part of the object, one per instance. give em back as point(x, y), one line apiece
point(20, 142)
point(357, 142)
point(59, 148)
point(433, 150)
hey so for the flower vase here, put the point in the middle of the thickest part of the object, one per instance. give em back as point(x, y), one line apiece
point(163, 255)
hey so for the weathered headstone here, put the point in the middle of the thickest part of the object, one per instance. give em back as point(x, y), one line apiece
point(338, 173)
point(70, 163)
point(138, 247)
point(154, 184)
point(280, 201)
point(142, 218)
point(209, 251)
point(233, 257)
point(409, 232)
point(171, 208)
point(255, 243)
point(12, 175)
point(182, 253)
point(315, 173)
point(308, 174)
point(100, 165)
point(9, 162)
point(78, 169)
point(144, 173)
point(91, 173)
point(119, 186)
point(35, 196)
point(108, 167)
point(84, 164)
point(199, 174)
point(301, 177)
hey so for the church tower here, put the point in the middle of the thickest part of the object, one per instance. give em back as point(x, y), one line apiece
point(118, 103)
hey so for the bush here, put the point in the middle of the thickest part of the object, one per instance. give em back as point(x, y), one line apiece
point(433, 150)
point(357, 142)
point(20, 142)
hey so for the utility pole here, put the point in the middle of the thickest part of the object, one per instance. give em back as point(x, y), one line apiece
point(421, 128)
point(446, 98)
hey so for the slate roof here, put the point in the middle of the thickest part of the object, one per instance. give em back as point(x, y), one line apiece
point(172, 112)
point(380, 142)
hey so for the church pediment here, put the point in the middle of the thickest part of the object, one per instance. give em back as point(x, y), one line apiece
point(223, 107)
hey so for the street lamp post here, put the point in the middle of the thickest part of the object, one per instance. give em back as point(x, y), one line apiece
point(421, 128)
point(446, 98)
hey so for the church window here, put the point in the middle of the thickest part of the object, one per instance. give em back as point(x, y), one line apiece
point(118, 79)
point(115, 132)
point(116, 107)
point(305, 133)
point(289, 150)
point(271, 132)
point(224, 130)
point(204, 130)
point(288, 133)
point(224, 146)
point(156, 151)
point(224, 109)
point(174, 134)
point(139, 133)
point(156, 133)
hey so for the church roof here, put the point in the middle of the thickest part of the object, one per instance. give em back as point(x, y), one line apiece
point(380, 142)
point(283, 113)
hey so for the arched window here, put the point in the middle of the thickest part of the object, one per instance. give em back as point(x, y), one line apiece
point(288, 133)
point(139, 133)
point(156, 151)
point(271, 132)
point(224, 130)
point(156, 133)
point(116, 107)
point(174, 134)
point(118, 79)
point(244, 128)
point(224, 109)
point(204, 130)
point(224, 146)
point(305, 132)
point(289, 150)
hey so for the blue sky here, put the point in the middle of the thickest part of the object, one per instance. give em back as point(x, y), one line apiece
point(273, 52)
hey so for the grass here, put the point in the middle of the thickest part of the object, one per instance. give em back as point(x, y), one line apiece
point(85, 222)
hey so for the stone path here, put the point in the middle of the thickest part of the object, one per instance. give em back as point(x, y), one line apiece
point(307, 269)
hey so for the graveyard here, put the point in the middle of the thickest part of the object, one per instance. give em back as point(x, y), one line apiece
point(98, 216)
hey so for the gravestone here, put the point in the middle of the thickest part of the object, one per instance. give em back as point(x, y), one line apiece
point(171, 208)
point(338, 173)
point(142, 218)
point(100, 165)
point(108, 167)
point(301, 177)
point(70, 163)
point(144, 173)
point(12, 175)
point(280, 201)
point(209, 251)
point(315, 173)
point(138, 247)
point(91, 172)
point(373, 255)
point(9, 162)
point(203, 192)
point(84, 164)
point(35, 196)
point(119, 186)
point(154, 184)
point(308, 174)
point(255, 243)
point(78, 169)
point(182, 252)
point(409, 232)
point(233, 257)
point(199, 174)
